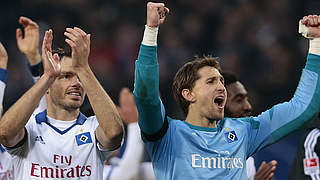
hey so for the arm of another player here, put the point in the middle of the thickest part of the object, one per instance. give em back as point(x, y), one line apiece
point(146, 88)
point(281, 119)
point(130, 162)
point(13, 122)
point(110, 130)
point(3, 74)
point(29, 46)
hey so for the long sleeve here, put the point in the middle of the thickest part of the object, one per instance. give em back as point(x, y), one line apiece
point(146, 90)
point(281, 119)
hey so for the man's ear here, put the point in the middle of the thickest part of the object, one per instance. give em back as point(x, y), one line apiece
point(188, 95)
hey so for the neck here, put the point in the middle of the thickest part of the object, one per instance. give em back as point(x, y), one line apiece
point(62, 114)
point(196, 119)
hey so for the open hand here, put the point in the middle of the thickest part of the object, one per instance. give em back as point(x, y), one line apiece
point(29, 44)
point(79, 42)
point(51, 63)
point(128, 109)
point(266, 171)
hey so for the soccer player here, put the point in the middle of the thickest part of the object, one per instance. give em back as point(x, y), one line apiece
point(238, 106)
point(28, 45)
point(130, 165)
point(60, 142)
point(306, 162)
point(206, 145)
point(6, 167)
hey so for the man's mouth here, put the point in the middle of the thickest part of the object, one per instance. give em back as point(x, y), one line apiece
point(75, 94)
point(219, 101)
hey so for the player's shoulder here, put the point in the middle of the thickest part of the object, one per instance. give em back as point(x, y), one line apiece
point(90, 121)
point(32, 120)
point(241, 121)
point(175, 122)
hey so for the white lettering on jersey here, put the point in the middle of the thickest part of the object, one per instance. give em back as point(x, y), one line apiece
point(215, 162)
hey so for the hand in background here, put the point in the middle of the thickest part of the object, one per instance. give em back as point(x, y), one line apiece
point(128, 109)
point(29, 44)
point(266, 171)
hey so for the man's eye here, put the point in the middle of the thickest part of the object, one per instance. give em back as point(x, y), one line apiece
point(65, 76)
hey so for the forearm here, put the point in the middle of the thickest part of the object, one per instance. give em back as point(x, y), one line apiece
point(33, 57)
point(110, 129)
point(147, 84)
point(13, 121)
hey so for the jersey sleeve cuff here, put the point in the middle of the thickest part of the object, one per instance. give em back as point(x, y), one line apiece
point(150, 36)
point(35, 69)
point(314, 46)
point(3, 75)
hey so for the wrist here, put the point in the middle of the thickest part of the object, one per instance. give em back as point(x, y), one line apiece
point(35, 69)
point(150, 36)
point(48, 78)
point(83, 70)
point(33, 58)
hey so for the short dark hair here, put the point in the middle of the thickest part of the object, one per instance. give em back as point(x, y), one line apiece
point(186, 77)
point(229, 78)
point(62, 52)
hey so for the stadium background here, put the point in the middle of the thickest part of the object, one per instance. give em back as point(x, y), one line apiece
point(258, 40)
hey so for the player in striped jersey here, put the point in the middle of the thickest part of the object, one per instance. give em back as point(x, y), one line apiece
point(60, 142)
point(206, 145)
point(306, 163)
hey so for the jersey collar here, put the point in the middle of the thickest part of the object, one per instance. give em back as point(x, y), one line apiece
point(42, 117)
point(2, 149)
point(217, 128)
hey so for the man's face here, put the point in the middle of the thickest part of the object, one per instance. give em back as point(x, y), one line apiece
point(237, 104)
point(209, 94)
point(66, 91)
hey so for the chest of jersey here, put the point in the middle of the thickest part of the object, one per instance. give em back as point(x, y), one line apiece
point(203, 154)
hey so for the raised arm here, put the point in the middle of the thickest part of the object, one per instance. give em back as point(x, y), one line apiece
point(28, 44)
point(146, 90)
point(110, 130)
point(13, 122)
point(130, 163)
point(284, 118)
